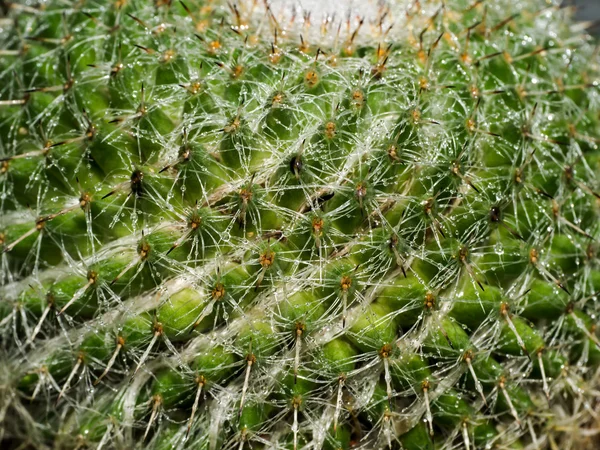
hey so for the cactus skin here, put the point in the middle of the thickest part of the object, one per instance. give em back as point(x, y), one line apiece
point(222, 229)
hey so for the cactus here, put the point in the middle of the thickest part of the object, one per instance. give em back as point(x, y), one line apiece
point(228, 226)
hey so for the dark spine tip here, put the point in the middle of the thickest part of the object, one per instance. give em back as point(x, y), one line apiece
point(544, 193)
point(441, 231)
point(563, 287)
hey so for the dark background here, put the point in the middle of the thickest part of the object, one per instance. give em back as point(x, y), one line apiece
point(588, 10)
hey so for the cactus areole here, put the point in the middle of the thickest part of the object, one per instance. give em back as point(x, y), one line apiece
point(235, 225)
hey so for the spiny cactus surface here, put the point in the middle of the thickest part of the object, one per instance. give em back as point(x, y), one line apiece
point(224, 226)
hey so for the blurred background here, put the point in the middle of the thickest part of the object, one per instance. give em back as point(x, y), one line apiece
point(589, 10)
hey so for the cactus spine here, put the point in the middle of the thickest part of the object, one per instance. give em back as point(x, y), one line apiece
point(226, 227)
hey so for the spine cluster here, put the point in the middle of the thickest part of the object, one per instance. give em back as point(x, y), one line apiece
point(226, 228)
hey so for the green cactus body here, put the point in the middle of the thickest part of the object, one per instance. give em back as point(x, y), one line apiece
point(224, 226)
